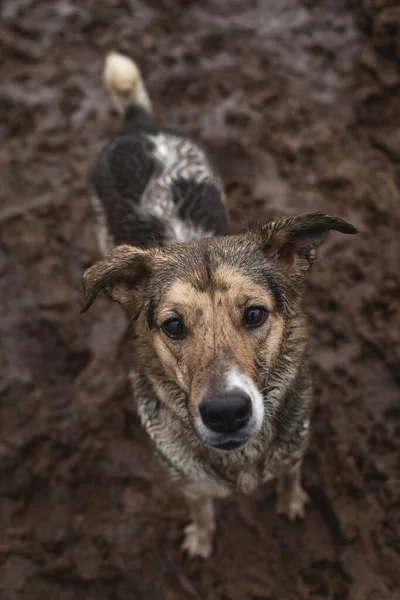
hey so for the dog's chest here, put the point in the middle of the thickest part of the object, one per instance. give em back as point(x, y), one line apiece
point(213, 476)
point(250, 480)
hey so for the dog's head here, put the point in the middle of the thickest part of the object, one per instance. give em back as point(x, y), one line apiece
point(212, 317)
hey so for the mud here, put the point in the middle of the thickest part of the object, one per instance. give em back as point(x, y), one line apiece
point(298, 104)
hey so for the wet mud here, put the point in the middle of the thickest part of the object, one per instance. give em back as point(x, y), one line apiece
point(297, 102)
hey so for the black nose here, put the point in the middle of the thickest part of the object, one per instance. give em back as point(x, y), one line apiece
point(226, 413)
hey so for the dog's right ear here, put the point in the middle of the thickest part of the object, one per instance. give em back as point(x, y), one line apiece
point(120, 274)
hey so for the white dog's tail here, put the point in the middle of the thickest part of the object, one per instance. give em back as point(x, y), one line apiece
point(125, 84)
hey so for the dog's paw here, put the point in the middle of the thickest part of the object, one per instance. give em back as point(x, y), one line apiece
point(294, 507)
point(197, 542)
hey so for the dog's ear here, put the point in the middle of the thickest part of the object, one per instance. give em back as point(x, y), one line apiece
point(121, 273)
point(295, 239)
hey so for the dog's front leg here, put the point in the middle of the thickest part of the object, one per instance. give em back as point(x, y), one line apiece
point(199, 534)
point(291, 498)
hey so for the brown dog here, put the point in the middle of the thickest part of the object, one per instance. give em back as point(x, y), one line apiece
point(221, 380)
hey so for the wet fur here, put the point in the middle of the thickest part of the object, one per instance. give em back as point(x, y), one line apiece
point(160, 212)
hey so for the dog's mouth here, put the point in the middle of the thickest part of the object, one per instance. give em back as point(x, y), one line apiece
point(229, 445)
point(224, 442)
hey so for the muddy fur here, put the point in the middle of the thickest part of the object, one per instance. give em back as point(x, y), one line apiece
point(161, 219)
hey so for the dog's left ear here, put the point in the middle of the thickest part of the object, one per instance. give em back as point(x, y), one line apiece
point(295, 239)
point(120, 274)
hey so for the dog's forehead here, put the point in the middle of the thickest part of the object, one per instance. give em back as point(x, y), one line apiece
point(219, 264)
point(201, 263)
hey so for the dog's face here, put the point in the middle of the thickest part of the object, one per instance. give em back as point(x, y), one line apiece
point(212, 317)
point(215, 332)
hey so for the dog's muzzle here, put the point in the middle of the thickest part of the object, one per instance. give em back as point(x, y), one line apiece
point(231, 418)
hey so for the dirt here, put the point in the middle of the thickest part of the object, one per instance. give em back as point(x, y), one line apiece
point(298, 104)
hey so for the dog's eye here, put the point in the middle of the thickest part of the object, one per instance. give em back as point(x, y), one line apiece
point(174, 328)
point(255, 316)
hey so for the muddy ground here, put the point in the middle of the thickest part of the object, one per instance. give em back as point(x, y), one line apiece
point(298, 103)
